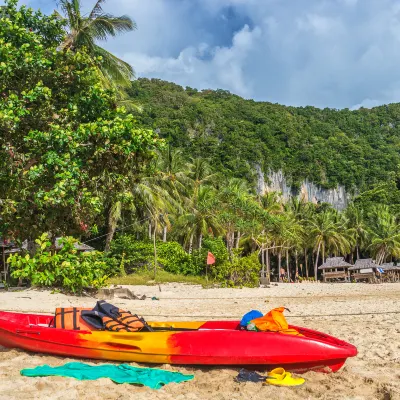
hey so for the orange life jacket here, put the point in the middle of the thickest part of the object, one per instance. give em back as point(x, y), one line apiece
point(125, 322)
point(106, 316)
point(274, 321)
point(71, 318)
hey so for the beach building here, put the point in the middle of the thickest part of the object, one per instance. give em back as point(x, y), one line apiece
point(335, 269)
point(365, 270)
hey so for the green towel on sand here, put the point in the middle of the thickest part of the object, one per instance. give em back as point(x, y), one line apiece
point(123, 373)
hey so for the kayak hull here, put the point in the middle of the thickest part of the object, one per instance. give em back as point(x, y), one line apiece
point(209, 343)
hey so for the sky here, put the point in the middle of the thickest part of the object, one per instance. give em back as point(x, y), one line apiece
point(325, 53)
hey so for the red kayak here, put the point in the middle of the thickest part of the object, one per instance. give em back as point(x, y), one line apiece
point(195, 343)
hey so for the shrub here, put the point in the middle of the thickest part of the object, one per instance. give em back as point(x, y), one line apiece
point(241, 272)
point(67, 269)
point(135, 254)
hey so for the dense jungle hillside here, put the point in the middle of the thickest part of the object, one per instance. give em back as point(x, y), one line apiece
point(355, 148)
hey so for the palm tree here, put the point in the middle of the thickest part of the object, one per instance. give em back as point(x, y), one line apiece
point(385, 234)
point(200, 217)
point(84, 30)
point(328, 232)
point(357, 226)
point(200, 173)
point(236, 205)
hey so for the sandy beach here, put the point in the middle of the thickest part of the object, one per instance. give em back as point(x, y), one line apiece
point(373, 374)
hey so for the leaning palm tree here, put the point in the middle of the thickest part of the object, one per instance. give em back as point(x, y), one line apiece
point(85, 30)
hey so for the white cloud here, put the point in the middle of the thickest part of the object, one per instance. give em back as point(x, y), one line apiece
point(319, 24)
point(337, 53)
point(224, 69)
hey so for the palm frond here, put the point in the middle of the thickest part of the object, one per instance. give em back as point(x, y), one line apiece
point(114, 68)
point(97, 9)
point(108, 25)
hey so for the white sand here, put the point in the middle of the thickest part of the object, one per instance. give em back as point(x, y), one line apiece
point(373, 374)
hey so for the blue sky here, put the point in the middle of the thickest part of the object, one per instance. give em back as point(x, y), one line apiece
point(327, 53)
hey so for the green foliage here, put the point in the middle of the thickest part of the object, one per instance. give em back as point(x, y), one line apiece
point(217, 247)
point(66, 269)
point(356, 149)
point(85, 29)
point(242, 271)
point(138, 254)
point(66, 150)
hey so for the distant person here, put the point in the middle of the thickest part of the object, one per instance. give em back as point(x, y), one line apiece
point(282, 274)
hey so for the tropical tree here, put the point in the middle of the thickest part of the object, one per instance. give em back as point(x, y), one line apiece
point(200, 217)
point(384, 230)
point(327, 232)
point(65, 148)
point(84, 30)
point(357, 226)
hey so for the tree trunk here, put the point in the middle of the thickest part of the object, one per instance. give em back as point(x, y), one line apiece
point(114, 215)
point(287, 265)
point(155, 249)
point(164, 239)
point(358, 252)
point(191, 243)
point(316, 263)
point(237, 239)
point(297, 265)
point(200, 240)
point(279, 265)
point(268, 266)
point(262, 262)
point(230, 237)
point(323, 253)
point(306, 261)
point(150, 236)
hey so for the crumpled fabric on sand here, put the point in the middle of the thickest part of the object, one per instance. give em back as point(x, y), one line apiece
point(123, 373)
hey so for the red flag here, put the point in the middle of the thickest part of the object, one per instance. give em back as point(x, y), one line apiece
point(210, 258)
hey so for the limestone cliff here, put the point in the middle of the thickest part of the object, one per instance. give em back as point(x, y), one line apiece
point(275, 181)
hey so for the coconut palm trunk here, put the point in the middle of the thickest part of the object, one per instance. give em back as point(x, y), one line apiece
point(279, 265)
point(306, 261)
point(190, 244)
point(155, 249)
point(268, 265)
point(114, 216)
point(287, 264)
point(316, 262)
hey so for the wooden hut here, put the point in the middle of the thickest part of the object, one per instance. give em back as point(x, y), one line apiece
point(335, 268)
point(391, 272)
point(365, 270)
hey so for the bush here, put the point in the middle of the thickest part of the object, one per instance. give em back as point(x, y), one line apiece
point(217, 247)
point(67, 269)
point(241, 272)
point(135, 254)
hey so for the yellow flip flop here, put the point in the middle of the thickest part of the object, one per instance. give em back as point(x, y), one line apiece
point(279, 377)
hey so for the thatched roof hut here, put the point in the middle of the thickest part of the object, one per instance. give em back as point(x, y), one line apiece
point(335, 262)
point(364, 263)
point(389, 267)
